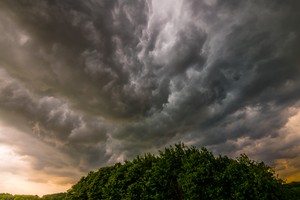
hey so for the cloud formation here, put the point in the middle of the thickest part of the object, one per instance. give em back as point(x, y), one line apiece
point(96, 82)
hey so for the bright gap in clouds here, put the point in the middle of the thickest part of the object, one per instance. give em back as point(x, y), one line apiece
point(17, 175)
point(288, 168)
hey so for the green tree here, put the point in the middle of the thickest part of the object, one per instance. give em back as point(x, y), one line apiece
point(180, 172)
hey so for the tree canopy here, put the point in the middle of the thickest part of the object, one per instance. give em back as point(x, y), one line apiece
point(180, 172)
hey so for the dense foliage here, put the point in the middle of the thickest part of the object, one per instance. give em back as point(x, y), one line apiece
point(181, 173)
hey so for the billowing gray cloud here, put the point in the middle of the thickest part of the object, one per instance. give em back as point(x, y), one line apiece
point(102, 81)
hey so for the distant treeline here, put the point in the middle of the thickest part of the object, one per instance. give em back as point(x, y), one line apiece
point(180, 172)
point(57, 196)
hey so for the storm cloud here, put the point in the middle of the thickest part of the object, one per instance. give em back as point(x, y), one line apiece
point(97, 82)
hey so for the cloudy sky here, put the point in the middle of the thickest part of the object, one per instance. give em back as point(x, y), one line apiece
point(87, 83)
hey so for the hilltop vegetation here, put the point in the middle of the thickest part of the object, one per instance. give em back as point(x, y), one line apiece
point(179, 173)
point(182, 173)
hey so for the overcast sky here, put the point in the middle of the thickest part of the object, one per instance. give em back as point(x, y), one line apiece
point(87, 83)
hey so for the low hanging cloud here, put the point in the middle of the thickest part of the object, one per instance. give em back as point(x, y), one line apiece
point(102, 81)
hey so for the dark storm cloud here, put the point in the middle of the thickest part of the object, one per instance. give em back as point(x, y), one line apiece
point(249, 66)
point(102, 81)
